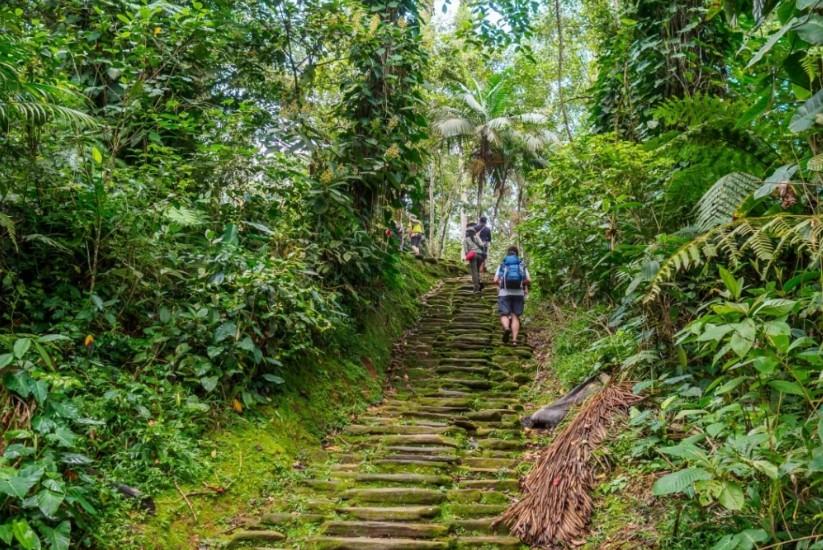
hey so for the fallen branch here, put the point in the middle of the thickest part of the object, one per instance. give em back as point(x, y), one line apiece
point(186, 499)
point(557, 504)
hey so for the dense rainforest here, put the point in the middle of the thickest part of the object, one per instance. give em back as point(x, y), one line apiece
point(204, 209)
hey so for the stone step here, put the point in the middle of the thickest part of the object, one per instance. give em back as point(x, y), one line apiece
point(497, 542)
point(473, 510)
point(421, 450)
point(493, 484)
point(391, 495)
point(398, 429)
point(375, 529)
point(404, 513)
point(421, 439)
point(358, 543)
point(420, 479)
point(478, 525)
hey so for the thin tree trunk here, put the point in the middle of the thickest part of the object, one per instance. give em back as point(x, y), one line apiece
point(431, 207)
point(560, 98)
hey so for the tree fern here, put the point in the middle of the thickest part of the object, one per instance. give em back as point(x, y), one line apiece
point(719, 204)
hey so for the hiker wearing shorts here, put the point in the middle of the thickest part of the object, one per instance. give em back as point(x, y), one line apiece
point(415, 235)
point(473, 252)
point(513, 281)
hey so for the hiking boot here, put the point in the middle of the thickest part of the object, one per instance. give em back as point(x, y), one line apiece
point(507, 334)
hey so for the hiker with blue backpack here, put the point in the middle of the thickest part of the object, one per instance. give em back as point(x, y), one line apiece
point(512, 279)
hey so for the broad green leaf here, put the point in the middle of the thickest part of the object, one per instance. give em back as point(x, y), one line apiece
point(766, 467)
point(779, 334)
point(686, 451)
point(209, 383)
point(714, 333)
point(733, 285)
point(6, 534)
point(58, 538)
point(273, 378)
point(750, 537)
point(805, 4)
point(49, 502)
point(773, 39)
point(731, 497)
point(6, 359)
point(224, 331)
point(677, 482)
point(25, 535)
point(743, 337)
point(730, 385)
point(21, 346)
point(96, 155)
point(776, 307)
point(804, 117)
point(812, 30)
point(19, 484)
point(784, 386)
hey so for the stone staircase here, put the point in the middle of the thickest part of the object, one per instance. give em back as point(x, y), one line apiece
point(436, 462)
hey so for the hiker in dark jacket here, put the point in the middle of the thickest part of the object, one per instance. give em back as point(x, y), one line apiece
point(484, 232)
point(473, 252)
point(513, 281)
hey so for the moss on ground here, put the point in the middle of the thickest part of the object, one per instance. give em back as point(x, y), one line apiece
point(259, 456)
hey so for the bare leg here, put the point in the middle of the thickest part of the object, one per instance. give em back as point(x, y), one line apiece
point(504, 320)
point(515, 324)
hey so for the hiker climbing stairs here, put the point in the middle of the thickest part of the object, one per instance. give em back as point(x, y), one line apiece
point(437, 461)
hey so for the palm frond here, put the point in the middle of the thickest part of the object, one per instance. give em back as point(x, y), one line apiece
point(455, 127)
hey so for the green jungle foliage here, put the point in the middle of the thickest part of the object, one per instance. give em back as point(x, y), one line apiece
point(202, 202)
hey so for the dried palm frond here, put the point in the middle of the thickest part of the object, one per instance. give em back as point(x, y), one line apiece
point(557, 504)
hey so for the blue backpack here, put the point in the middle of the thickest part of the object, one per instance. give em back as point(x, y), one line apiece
point(513, 273)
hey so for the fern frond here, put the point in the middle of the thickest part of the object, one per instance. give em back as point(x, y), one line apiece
point(8, 224)
point(719, 204)
point(755, 237)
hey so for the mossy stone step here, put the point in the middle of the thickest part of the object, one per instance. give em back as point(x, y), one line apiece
point(472, 510)
point(484, 462)
point(374, 529)
point(391, 495)
point(242, 537)
point(466, 382)
point(477, 525)
point(487, 414)
point(493, 484)
point(357, 429)
point(286, 518)
point(479, 496)
point(451, 459)
point(420, 450)
point(419, 479)
point(358, 543)
point(421, 439)
point(497, 542)
point(398, 513)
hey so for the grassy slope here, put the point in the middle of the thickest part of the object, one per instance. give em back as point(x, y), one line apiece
point(255, 454)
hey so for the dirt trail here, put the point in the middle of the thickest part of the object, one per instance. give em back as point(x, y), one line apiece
point(436, 462)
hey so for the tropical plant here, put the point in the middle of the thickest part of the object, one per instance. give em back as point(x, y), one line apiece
point(497, 138)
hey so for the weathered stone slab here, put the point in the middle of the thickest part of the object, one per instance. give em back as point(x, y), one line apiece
point(391, 495)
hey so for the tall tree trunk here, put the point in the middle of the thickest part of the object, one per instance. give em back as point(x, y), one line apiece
point(560, 98)
point(430, 242)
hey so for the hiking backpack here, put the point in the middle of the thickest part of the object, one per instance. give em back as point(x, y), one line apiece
point(512, 273)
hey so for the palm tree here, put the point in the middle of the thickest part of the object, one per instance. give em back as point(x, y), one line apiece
point(499, 138)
